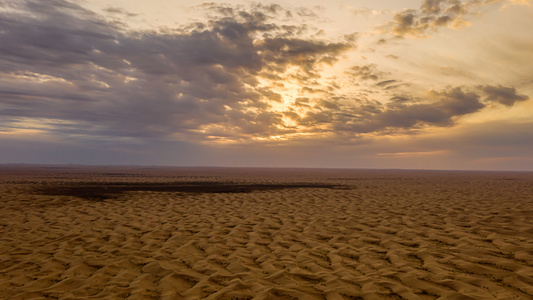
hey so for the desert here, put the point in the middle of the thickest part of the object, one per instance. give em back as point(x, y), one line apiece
point(110, 232)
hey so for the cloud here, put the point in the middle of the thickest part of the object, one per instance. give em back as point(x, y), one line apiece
point(435, 14)
point(119, 11)
point(67, 71)
point(431, 6)
point(365, 72)
point(405, 114)
point(449, 105)
point(62, 64)
point(389, 84)
point(431, 15)
point(365, 11)
point(504, 95)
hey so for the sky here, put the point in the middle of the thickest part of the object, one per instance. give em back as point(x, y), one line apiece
point(393, 84)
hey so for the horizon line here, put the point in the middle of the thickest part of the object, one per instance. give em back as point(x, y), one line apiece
point(253, 167)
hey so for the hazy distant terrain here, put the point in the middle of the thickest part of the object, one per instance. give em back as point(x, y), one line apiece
point(150, 232)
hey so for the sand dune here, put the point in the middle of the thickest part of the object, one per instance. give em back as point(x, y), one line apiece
point(359, 235)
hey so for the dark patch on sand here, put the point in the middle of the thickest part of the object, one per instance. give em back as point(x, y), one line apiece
point(101, 191)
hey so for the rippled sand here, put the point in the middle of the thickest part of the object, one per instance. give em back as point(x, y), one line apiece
point(264, 234)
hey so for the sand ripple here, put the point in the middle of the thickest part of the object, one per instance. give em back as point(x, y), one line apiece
point(403, 235)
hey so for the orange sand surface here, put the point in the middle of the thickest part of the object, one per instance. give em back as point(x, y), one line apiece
point(71, 232)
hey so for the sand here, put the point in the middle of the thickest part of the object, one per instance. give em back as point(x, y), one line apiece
point(264, 234)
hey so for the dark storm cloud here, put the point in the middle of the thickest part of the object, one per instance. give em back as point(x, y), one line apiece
point(61, 62)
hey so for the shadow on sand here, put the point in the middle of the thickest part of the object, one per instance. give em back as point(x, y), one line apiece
point(110, 190)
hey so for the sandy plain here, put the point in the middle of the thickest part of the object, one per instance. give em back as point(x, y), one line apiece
point(69, 232)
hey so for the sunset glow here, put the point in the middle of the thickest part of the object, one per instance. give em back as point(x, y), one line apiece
point(432, 84)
